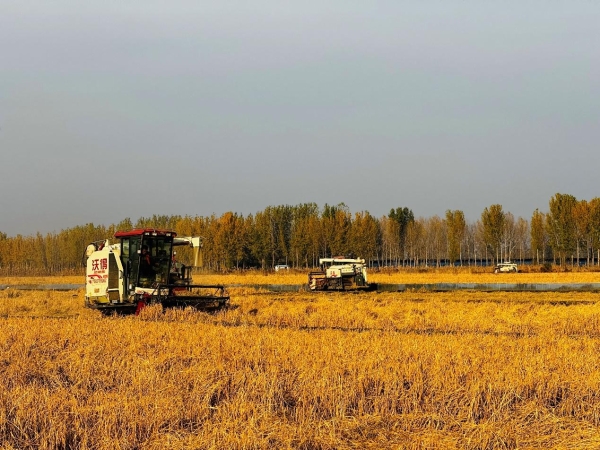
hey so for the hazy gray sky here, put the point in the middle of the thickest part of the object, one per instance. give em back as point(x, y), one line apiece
point(120, 109)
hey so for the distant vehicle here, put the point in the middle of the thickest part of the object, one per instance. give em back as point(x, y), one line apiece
point(279, 267)
point(506, 267)
point(340, 274)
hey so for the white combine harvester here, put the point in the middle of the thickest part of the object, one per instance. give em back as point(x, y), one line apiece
point(140, 269)
point(340, 274)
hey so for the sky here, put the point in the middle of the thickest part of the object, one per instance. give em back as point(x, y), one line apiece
point(115, 109)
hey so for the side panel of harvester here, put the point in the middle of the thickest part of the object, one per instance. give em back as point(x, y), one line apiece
point(104, 274)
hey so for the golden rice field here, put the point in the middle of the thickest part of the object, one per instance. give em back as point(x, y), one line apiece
point(457, 275)
point(413, 277)
point(411, 370)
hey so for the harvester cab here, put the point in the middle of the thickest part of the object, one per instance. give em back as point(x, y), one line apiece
point(140, 269)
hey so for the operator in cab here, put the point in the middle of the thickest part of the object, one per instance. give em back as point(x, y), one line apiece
point(146, 262)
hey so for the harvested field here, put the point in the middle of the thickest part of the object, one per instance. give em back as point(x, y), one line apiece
point(416, 276)
point(412, 277)
point(304, 370)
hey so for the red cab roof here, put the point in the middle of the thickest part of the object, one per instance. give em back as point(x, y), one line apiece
point(145, 231)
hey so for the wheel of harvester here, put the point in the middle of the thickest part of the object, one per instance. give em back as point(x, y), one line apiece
point(360, 280)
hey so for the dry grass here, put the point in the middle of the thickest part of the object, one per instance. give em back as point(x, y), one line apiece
point(460, 370)
point(431, 276)
point(71, 279)
point(403, 276)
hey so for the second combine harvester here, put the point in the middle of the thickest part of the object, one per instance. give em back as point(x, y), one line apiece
point(340, 274)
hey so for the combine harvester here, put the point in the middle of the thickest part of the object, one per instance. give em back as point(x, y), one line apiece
point(140, 270)
point(340, 274)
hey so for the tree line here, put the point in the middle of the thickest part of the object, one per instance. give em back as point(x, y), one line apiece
point(299, 235)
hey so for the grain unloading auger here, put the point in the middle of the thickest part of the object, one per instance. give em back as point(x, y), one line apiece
point(140, 270)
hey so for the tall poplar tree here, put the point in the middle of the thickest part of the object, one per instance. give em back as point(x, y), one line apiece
point(561, 225)
point(595, 227)
point(582, 219)
point(403, 217)
point(456, 224)
point(492, 220)
point(539, 236)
